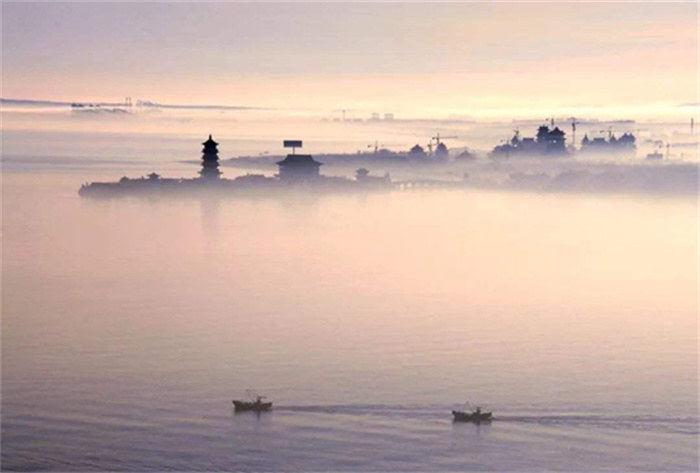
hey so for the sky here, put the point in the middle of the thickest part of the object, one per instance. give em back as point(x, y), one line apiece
point(415, 60)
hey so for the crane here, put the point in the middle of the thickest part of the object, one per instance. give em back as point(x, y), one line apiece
point(437, 138)
point(375, 146)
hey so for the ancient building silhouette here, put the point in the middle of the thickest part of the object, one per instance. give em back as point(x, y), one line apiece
point(296, 167)
point(210, 160)
point(417, 152)
point(441, 152)
point(556, 141)
point(625, 143)
point(546, 142)
point(361, 174)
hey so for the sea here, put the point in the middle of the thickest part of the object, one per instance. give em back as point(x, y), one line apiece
point(129, 325)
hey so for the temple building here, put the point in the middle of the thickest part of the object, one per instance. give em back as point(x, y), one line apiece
point(361, 174)
point(556, 141)
point(441, 152)
point(363, 178)
point(547, 142)
point(417, 152)
point(297, 167)
point(542, 135)
point(210, 160)
point(625, 143)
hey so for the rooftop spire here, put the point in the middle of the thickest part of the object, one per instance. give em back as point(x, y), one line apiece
point(210, 142)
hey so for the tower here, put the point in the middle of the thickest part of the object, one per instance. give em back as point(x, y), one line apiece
point(210, 160)
point(556, 141)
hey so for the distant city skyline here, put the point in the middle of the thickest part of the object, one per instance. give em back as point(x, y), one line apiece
point(609, 60)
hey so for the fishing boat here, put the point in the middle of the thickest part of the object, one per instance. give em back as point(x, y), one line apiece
point(254, 404)
point(476, 416)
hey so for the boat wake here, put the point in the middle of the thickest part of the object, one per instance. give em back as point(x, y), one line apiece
point(682, 425)
point(678, 424)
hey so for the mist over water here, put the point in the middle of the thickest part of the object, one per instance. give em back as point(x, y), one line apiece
point(129, 325)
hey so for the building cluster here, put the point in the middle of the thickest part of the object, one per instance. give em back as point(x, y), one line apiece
point(388, 117)
point(348, 116)
point(551, 141)
point(418, 152)
point(294, 169)
point(304, 170)
point(548, 141)
point(626, 142)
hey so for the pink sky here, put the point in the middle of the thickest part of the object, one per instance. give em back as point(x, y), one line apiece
point(433, 60)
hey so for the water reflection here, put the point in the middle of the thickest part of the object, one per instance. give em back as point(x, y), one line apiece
point(135, 322)
point(210, 208)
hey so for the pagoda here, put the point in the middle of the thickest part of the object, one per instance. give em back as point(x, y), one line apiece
point(210, 160)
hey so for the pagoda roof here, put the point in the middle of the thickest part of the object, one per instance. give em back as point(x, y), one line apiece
point(210, 141)
point(299, 160)
point(557, 132)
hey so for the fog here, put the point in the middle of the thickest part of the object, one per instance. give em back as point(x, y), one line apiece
point(167, 140)
point(484, 256)
point(561, 294)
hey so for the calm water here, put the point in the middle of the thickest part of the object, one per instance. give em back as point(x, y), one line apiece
point(128, 327)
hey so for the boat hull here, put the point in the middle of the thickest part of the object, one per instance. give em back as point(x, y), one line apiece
point(472, 417)
point(243, 406)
